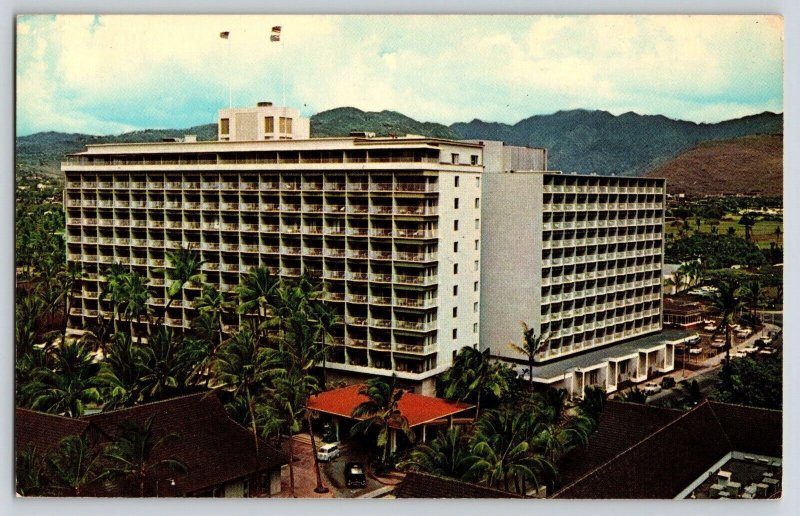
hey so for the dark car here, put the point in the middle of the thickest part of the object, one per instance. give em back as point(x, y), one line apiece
point(354, 476)
point(667, 382)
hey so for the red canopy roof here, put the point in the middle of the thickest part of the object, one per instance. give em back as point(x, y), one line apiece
point(416, 408)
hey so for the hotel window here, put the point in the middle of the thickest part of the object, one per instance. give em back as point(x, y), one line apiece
point(224, 125)
point(473, 159)
point(455, 268)
point(269, 125)
point(455, 247)
point(455, 333)
point(477, 265)
point(477, 202)
point(456, 179)
point(455, 225)
point(285, 124)
point(477, 182)
point(475, 307)
point(455, 203)
point(455, 290)
point(477, 223)
point(475, 287)
point(477, 244)
point(474, 327)
point(455, 311)
point(454, 159)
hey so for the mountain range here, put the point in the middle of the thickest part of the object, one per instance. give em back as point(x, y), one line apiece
point(578, 140)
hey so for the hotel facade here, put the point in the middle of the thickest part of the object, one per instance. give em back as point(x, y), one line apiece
point(424, 245)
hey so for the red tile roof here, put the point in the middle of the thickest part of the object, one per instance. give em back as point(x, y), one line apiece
point(417, 409)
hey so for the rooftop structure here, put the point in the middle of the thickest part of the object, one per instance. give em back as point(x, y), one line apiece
point(262, 122)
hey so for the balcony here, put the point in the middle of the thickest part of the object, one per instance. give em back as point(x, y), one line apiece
point(272, 249)
point(415, 348)
point(416, 257)
point(415, 280)
point(416, 233)
point(334, 252)
point(381, 278)
point(357, 343)
point(414, 302)
point(414, 325)
point(380, 255)
point(357, 298)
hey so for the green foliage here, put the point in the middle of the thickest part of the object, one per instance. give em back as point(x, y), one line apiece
point(341, 121)
point(473, 377)
point(380, 411)
point(633, 396)
point(715, 251)
point(753, 382)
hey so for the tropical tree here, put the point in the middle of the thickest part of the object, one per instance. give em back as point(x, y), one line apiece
point(73, 466)
point(164, 368)
point(472, 375)
point(532, 345)
point(242, 368)
point(381, 411)
point(692, 270)
point(30, 472)
point(213, 303)
point(752, 294)
point(592, 404)
point(256, 293)
point(633, 396)
point(778, 233)
point(448, 454)
point(121, 372)
point(134, 303)
point(326, 318)
point(69, 386)
point(114, 292)
point(134, 453)
point(504, 448)
point(184, 269)
point(69, 280)
point(748, 222)
point(727, 299)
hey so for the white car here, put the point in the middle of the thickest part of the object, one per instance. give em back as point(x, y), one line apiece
point(327, 452)
point(651, 388)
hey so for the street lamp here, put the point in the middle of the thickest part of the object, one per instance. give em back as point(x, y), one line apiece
point(170, 480)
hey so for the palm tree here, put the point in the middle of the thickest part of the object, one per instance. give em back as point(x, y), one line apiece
point(242, 368)
point(134, 452)
point(532, 345)
point(69, 279)
point(592, 404)
point(380, 411)
point(326, 318)
point(184, 268)
point(778, 233)
point(114, 290)
point(692, 271)
point(748, 222)
point(69, 386)
point(164, 370)
point(286, 406)
point(256, 293)
point(727, 300)
point(752, 295)
point(29, 472)
point(122, 371)
point(134, 305)
point(73, 466)
point(471, 375)
point(212, 302)
point(504, 447)
point(448, 454)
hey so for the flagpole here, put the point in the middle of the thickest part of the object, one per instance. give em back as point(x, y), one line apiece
point(283, 69)
point(230, 87)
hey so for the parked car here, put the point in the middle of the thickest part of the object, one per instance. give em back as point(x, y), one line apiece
point(354, 476)
point(651, 388)
point(328, 452)
point(667, 382)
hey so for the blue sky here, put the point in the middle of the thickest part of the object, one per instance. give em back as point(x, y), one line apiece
point(109, 74)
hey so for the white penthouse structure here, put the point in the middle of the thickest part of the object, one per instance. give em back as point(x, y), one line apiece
point(424, 245)
point(392, 225)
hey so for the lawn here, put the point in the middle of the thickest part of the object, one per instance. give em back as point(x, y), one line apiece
point(763, 231)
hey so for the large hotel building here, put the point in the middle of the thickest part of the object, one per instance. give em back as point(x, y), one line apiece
point(424, 245)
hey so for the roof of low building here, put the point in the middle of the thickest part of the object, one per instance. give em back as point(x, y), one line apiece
point(43, 432)
point(416, 408)
point(198, 432)
point(425, 485)
point(670, 457)
point(193, 429)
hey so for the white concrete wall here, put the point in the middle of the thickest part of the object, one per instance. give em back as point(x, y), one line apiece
point(468, 189)
point(247, 124)
point(510, 259)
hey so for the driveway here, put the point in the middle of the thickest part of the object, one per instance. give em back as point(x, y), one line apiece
point(333, 472)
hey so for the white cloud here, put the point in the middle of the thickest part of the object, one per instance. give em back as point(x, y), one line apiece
point(102, 74)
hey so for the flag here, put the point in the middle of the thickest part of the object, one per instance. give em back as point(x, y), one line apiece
point(224, 35)
point(276, 33)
